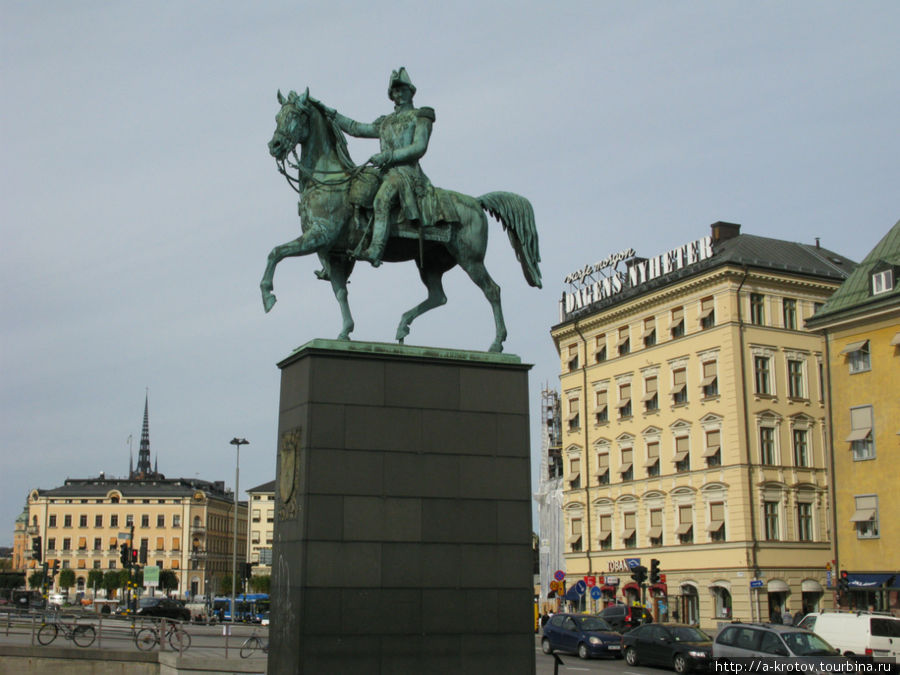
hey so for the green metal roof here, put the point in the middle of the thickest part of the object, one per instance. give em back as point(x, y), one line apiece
point(855, 294)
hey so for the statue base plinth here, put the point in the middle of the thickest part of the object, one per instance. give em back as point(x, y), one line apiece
point(403, 501)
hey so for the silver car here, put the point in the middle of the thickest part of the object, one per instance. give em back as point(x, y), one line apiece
point(755, 640)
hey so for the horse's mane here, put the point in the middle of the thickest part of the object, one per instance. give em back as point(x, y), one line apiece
point(340, 140)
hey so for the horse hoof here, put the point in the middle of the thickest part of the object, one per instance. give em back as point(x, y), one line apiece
point(268, 301)
point(497, 347)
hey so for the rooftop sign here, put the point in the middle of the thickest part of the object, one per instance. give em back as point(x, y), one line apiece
point(602, 280)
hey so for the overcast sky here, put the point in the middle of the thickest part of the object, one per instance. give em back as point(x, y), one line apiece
point(139, 201)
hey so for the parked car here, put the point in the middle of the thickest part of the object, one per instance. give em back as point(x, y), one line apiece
point(740, 640)
point(625, 617)
point(163, 607)
point(582, 634)
point(676, 645)
point(857, 633)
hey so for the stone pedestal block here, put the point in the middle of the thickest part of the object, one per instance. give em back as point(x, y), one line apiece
point(403, 513)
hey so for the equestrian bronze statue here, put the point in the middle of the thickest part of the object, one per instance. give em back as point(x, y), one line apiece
point(387, 210)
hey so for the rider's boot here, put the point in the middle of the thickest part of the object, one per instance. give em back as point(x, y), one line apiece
point(379, 238)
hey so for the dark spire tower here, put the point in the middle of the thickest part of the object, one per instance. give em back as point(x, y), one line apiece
point(144, 470)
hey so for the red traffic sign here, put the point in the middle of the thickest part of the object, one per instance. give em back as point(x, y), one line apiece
point(590, 581)
point(560, 575)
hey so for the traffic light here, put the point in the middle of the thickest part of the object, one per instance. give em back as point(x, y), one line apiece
point(639, 574)
point(143, 557)
point(55, 570)
point(134, 557)
point(844, 581)
point(124, 555)
point(36, 548)
point(654, 571)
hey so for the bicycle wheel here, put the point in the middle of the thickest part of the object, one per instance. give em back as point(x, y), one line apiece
point(83, 636)
point(179, 640)
point(47, 633)
point(251, 644)
point(145, 639)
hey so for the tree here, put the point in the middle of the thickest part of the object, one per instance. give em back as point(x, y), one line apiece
point(36, 578)
point(168, 581)
point(225, 584)
point(111, 581)
point(66, 580)
point(261, 583)
point(95, 580)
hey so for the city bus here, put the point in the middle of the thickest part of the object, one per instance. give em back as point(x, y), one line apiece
point(249, 607)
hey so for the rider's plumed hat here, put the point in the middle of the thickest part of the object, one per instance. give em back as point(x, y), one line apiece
point(401, 77)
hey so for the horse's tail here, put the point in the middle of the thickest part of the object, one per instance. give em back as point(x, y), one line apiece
point(517, 217)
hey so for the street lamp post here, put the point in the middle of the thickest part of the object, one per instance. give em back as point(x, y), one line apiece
point(237, 443)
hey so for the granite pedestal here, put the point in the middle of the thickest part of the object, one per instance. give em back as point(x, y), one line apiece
point(403, 513)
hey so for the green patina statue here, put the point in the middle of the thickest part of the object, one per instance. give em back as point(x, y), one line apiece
point(391, 205)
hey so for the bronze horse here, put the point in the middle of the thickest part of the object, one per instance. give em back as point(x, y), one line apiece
point(334, 217)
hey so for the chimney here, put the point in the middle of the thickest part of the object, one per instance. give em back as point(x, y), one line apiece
point(722, 231)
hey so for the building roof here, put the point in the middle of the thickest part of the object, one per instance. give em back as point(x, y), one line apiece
point(167, 487)
point(264, 487)
point(763, 253)
point(855, 294)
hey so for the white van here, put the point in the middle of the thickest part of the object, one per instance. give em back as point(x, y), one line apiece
point(873, 634)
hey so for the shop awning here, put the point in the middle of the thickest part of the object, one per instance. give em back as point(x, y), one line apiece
point(627, 533)
point(858, 434)
point(869, 580)
point(679, 456)
point(660, 588)
point(654, 532)
point(711, 450)
point(683, 528)
point(715, 525)
point(625, 467)
point(863, 516)
point(606, 588)
point(777, 586)
point(631, 586)
point(811, 586)
point(854, 347)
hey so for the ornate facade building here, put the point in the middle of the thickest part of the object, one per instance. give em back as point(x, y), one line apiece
point(261, 530)
point(693, 410)
point(183, 524)
point(861, 324)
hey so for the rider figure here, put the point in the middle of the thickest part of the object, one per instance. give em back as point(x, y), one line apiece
point(404, 138)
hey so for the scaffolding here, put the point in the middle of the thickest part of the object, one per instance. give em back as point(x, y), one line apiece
point(549, 496)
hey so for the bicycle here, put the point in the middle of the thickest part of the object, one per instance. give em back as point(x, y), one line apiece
point(252, 644)
point(82, 635)
point(147, 638)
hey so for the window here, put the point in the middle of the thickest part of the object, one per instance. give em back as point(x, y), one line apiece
point(624, 342)
point(601, 408)
point(129, 520)
point(574, 474)
point(685, 530)
point(145, 520)
point(707, 313)
point(603, 468)
point(605, 532)
point(770, 518)
point(713, 452)
point(757, 309)
point(655, 533)
point(649, 332)
point(866, 516)
point(716, 527)
point(160, 543)
point(629, 531)
point(113, 543)
point(761, 374)
point(176, 520)
point(804, 521)
point(66, 564)
point(254, 538)
point(573, 357)
point(861, 436)
point(67, 544)
point(575, 536)
point(573, 418)
point(801, 447)
point(882, 282)
point(651, 397)
point(114, 520)
point(98, 520)
point(652, 458)
point(625, 400)
point(676, 328)
point(679, 386)
point(796, 388)
point(51, 544)
point(767, 445)
point(789, 313)
point(51, 521)
point(710, 381)
point(627, 468)
point(82, 543)
point(600, 349)
point(96, 564)
point(858, 356)
point(682, 454)
point(112, 564)
point(98, 544)
point(256, 515)
point(67, 521)
point(176, 543)
point(160, 520)
point(82, 520)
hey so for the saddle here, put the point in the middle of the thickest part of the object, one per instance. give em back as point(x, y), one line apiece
point(365, 185)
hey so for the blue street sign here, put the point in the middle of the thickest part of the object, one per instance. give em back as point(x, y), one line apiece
point(756, 583)
point(580, 587)
point(632, 562)
point(560, 575)
point(596, 593)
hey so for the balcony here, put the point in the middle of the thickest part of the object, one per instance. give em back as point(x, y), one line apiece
point(198, 554)
point(198, 529)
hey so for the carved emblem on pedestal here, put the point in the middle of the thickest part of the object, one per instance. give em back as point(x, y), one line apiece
point(289, 473)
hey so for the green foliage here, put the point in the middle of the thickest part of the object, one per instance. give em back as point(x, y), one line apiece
point(111, 580)
point(66, 579)
point(168, 580)
point(35, 579)
point(225, 584)
point(95, 579)
point(12, 579)
point(261, 583)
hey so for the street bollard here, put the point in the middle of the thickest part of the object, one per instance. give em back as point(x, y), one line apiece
point(557, 662)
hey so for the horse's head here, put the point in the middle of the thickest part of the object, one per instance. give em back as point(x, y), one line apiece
point(291, 124)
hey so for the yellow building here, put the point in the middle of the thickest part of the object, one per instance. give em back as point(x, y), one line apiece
point(261, 530)
point(861, 323)
point(180, 524)
point(694, 426)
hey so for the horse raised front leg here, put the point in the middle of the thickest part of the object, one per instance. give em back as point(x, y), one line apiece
point(436, 297)
point(310, 241)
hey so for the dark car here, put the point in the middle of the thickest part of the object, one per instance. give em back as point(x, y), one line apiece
point(624, 617)
point(163, 607)
point(675, 645)
point(581, 634)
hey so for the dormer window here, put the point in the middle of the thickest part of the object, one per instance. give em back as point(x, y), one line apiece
point(882, 282)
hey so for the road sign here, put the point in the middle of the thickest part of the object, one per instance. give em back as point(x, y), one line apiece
point(554, 585)
point(632, 562)
point(580, 587)
point(756, 583)
point(596, 593)
point(560, 575)
point(590, 581)
point(151, 576)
